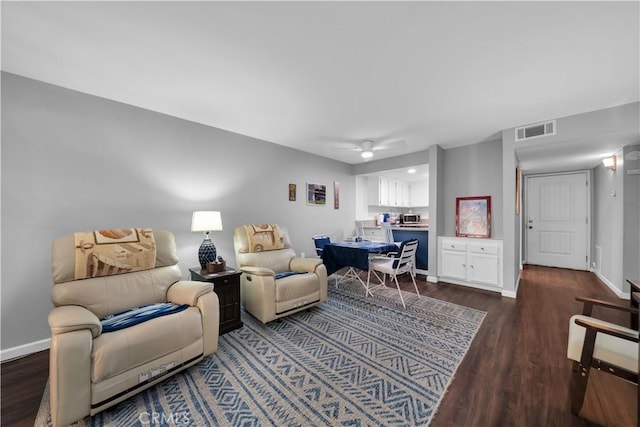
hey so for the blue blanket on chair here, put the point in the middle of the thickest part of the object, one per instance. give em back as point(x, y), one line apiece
point(138, 315)
point(287, 274)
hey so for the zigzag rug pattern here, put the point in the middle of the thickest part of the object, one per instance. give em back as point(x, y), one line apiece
point(353, 361)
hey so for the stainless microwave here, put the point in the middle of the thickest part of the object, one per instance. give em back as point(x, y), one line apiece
point(410, 218)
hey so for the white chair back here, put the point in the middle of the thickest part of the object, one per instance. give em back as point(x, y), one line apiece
point(394, 266)
point(407, 257)
point(359, 229)
point(387, 232)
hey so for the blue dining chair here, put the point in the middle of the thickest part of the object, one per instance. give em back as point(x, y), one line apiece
point(320, 240)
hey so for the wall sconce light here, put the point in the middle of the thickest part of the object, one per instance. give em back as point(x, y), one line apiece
point(610, 162)
point(206, 221)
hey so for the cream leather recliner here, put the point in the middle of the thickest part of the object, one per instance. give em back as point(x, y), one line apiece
point(275, 282)
point(91, 370)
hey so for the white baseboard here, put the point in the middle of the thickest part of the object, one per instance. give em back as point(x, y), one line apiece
point(24, 350)
point(432, 279)
point(618, 292)
point(513, 294)
point(510, 294)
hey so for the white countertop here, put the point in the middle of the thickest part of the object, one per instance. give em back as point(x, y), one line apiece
point(417, 227)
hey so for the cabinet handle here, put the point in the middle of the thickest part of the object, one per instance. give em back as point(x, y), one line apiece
point(453, 246)
point(464, 265)
point(482, 249)
point(471, 266)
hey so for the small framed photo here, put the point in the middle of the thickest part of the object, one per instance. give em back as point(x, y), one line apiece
point(336, 195)
point(316, 194)
point(473, 216)
point(292, 192)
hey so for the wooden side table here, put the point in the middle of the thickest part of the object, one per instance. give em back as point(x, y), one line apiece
point(226, 284)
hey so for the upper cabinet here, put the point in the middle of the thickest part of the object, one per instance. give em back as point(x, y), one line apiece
point(420, 194)
point(379, 191)
point(384, 191)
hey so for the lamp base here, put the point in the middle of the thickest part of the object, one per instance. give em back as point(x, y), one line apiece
point(207, 253)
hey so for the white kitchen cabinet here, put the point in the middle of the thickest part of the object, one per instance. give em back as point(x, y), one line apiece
point(471, 262)
point(402, 196)
point(379, 191)
point(419, 194)
point(385, 191)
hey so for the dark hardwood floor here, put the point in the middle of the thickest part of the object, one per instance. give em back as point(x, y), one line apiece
point(514, 374)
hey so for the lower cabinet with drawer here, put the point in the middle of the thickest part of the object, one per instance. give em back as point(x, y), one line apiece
point(471, 262)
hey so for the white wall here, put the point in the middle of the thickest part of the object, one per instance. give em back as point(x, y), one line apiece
point(74, 162)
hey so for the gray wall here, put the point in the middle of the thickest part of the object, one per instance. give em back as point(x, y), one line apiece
point(436, 205)
point(74, 162)
point(631, 235)
point(607, 221)
point(472, 170)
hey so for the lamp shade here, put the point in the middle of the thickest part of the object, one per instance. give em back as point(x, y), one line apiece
point(206, 221)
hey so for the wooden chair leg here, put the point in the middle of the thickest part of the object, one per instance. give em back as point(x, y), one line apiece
point(581, 375)
point(579, 380)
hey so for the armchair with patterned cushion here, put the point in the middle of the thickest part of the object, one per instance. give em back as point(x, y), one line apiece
point(275, 282)
point(123, 319)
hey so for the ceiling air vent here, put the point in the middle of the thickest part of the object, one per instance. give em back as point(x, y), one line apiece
point(536, 131)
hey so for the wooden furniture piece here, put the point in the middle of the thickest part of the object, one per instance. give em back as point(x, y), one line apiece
point(226, 284)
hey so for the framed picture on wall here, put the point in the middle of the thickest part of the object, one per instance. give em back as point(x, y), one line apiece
point(473, 216)
point(316, 194)
point(336, 195)
point(292, 192)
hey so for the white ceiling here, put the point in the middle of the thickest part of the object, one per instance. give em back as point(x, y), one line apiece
point(311, 75)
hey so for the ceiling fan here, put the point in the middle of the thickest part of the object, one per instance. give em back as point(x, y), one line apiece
point(367, 147)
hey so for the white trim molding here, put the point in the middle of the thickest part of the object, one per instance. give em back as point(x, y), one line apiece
point(514, 293)
point(24, 350)
point(620, 294)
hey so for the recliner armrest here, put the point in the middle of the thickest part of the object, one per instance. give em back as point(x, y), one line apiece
point(71, 318)
point(258, 271)
point(188, 291)
point(305, 264)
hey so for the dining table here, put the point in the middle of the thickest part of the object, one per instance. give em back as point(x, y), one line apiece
point(353, 255)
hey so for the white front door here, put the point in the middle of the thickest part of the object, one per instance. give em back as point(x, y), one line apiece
point(557, 220)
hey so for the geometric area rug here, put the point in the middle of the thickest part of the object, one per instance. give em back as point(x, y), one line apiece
point(354, 361)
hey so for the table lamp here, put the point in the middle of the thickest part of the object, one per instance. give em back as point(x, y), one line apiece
point(206, 221)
